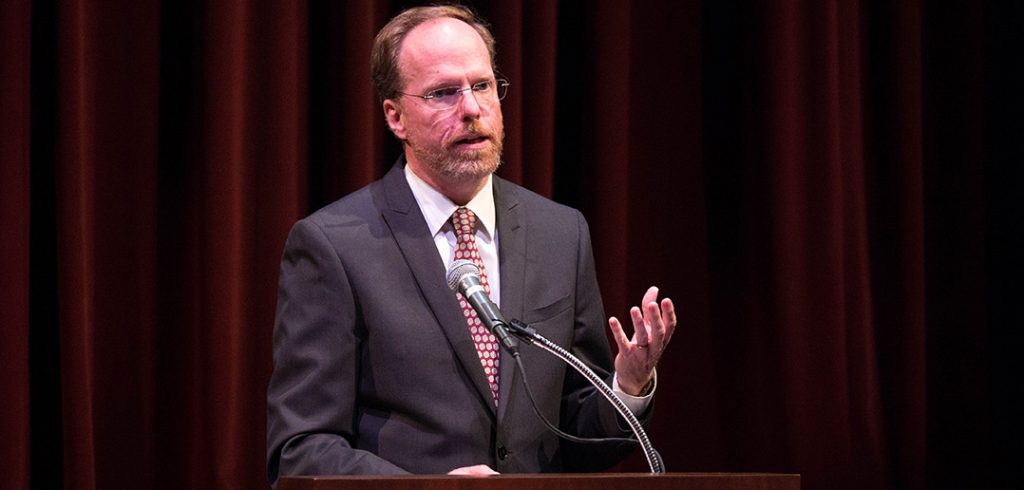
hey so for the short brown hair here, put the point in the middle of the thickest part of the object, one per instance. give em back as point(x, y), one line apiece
point(384, 56)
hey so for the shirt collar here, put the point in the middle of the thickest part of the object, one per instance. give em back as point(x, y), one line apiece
point(437, 209)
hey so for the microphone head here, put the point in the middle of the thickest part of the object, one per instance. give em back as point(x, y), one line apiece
point(459, 269)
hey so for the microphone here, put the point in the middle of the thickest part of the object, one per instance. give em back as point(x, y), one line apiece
point(464, 278)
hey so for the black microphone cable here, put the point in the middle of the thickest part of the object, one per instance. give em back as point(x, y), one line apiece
point(552, 427)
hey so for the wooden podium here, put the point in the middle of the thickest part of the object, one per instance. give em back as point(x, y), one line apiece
point(561, 481)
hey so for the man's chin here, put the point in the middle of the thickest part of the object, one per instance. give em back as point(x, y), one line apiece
point(471, 164)
point(469, 171)
point(461, 167)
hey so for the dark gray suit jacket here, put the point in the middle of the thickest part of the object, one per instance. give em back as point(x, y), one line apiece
point(374, 368)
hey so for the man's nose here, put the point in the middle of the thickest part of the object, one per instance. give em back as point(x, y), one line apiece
point(469, 105)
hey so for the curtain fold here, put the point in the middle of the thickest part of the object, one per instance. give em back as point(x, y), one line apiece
point(15, 201)
point(894, 146)
point(105, 155)
point(824, 188)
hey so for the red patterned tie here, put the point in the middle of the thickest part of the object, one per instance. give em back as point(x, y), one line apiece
point(464, 225)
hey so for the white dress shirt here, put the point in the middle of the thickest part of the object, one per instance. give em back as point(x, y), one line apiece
point(438, 209)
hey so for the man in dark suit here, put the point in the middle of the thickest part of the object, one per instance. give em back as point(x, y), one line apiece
point(378, 368)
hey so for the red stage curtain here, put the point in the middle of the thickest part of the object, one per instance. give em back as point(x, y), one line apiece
point(826, 189)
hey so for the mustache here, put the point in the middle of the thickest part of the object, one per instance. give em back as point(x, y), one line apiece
point(472, 130)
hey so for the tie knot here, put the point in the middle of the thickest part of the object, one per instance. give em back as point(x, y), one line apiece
point(464, 221)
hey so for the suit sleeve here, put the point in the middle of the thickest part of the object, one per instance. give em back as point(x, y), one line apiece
point(311, 399)
point(585, 411)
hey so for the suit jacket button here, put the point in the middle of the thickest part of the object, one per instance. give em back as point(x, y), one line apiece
point(502, 453)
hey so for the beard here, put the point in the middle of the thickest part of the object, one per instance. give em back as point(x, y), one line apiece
point(459, 165)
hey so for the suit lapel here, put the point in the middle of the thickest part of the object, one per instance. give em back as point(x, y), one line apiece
point(403, 217)
point(512, 260)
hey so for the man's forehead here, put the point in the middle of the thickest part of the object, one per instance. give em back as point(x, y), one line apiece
point(442, 39)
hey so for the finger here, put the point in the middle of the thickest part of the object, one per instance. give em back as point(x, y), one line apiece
point(640, 334)
point(480, 469)
point(655, 323)
point(620, 336)
point(650, 296)
point(668, 311)
point(668, 314)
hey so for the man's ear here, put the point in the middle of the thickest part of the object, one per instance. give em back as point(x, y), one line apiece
point(393, 116)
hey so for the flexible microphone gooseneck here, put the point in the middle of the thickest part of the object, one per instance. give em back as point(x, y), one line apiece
point(464, 278)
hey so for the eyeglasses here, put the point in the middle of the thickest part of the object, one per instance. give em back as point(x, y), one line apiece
point(488, 91)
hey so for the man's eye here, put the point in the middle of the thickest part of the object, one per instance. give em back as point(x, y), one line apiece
point(481, 86)
point(442, 93)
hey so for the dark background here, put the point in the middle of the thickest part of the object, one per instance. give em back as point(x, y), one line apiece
point(828, 190)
